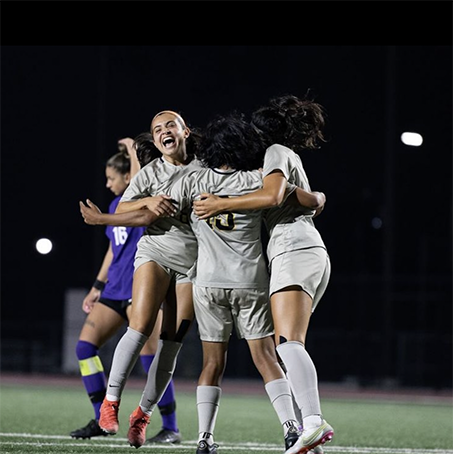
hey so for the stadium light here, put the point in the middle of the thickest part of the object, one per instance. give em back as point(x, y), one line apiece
point(412, 139)
point(44, 246)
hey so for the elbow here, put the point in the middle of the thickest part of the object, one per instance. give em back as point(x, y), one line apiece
point(275, 200)
point(318, 201)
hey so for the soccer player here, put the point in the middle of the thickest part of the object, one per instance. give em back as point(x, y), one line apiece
point(299, 262)
point(165, 255)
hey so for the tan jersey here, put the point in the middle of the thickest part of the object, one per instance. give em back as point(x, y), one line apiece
point(290, 228)
point(229, 244)
point(169, 241)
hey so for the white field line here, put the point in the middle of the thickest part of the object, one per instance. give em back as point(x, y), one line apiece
point(269, 447)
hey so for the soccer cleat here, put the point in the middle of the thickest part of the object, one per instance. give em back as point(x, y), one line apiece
point(311, 438)
point(291, 437)
point(165, 436)
point(204, 448)
point(92, 429)
point(136, 434)
point(316, 450)
point(108, 421)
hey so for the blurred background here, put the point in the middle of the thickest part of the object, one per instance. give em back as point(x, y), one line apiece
point(386, 317)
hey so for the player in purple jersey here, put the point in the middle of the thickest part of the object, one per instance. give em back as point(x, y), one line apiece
point(299, 263)
point(108, 302)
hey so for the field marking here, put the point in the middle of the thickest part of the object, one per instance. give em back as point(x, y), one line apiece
point(107, 442)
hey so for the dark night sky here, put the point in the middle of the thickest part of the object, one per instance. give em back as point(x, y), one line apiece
point(64, 108)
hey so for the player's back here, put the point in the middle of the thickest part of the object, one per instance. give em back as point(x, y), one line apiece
point(229, 245)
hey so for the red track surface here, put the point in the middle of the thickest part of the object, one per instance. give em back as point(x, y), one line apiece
point(253, 387)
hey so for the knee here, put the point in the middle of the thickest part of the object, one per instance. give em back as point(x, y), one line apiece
point(85, 350)
point(213, 370)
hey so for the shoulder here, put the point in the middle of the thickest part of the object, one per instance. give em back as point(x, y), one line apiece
point(276, 148)
point(196, 164)
point(114, 203)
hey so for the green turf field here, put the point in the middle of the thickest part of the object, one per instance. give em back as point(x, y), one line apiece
point(37, 419)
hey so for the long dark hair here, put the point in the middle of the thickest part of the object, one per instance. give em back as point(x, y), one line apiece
point(291, 121)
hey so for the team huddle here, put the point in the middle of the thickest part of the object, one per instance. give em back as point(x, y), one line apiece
point(199, 202)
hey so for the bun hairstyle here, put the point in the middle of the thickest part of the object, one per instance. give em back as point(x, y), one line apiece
point(120, 161)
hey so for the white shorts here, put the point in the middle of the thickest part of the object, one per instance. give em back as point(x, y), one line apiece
point(217, 310)
point(179, 278)
point(308, 268)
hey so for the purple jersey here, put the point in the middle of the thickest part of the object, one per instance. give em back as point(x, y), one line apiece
point(124, 244)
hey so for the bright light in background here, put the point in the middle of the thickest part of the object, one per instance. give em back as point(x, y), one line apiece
point(412, 139)
point(44, 246)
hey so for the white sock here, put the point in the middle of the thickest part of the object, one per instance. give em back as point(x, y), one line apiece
point(124, 358)
point(302, 377)
point(280, 396)
point(208, 398)
point(160, 374)
point(312, 421)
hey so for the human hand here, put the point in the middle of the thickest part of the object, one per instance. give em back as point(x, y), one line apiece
point(161, 205)
point(322, 198)
point(207, 205)
point(90, 300)
point(128, 143)
point(91, 214)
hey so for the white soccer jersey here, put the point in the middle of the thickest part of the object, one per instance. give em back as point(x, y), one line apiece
point(229, 244)
point(168, 241)
point(290, 228)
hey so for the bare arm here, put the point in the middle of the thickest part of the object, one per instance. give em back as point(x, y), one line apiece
point(160, 205)
point(313, 200)
point(92, 215)
point(270, 195)
point(94, 294)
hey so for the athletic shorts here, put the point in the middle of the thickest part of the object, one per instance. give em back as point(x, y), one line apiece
point(179, 278)
point(217, 310)
point(309, 268)
point(118, 306)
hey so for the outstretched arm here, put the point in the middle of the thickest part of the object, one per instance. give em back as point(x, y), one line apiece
point(92, 215)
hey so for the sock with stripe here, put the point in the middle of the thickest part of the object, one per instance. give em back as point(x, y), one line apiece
point(93, 375)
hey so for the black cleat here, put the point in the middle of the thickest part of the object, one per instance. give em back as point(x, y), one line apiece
point(291, 437)
point(92, 429)
point(165, 436)
point(204, 448)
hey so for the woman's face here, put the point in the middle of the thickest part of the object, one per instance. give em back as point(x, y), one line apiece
point(169, 135)
point(116, 181)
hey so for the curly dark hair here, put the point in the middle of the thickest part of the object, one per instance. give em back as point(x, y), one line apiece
point(291, 121)
point(229, 140)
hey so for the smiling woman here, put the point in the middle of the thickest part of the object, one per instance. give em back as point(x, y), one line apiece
point(165, 255)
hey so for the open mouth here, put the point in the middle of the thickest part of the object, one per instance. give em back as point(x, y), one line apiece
point(168, 142)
